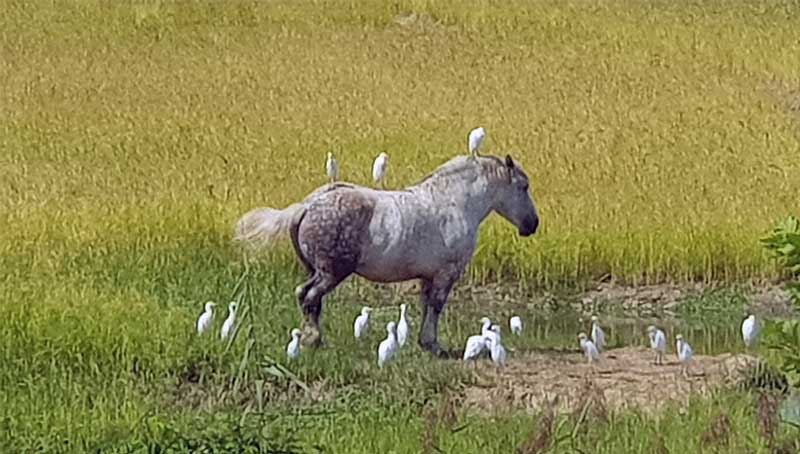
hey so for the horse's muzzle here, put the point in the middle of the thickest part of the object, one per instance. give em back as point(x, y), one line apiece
point(529, 227)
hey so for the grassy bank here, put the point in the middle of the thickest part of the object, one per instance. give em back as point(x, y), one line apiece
point(660, 138)
point(108, 360)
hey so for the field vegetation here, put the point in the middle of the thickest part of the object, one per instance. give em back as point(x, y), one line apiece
point(661, 139)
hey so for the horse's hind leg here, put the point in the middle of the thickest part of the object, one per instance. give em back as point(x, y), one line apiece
point(310, 297)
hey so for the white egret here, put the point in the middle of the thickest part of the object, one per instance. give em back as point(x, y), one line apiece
point(684, 353)
point(658, 343)
point(487, 326)
point(402, 327)
point(332, 168)
point(206, 318)
point(476, 137)
point(598, 336)
point(227, 327)
point(588, 347)
point(497, 351)
point(494, 332)
point(380, 168)
point(388, 347)
point(516, 325)
point(475, 346)
point(361, 325)
point(293, 349)
point(750, 331)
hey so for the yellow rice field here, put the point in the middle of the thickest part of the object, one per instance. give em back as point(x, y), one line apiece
point(661, 138)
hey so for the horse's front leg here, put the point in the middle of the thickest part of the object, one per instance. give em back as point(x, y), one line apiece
point(433, 298)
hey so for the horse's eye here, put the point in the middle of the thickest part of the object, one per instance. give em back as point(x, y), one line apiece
point(525, 187)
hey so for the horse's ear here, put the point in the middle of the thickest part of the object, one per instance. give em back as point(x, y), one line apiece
point(509, 162)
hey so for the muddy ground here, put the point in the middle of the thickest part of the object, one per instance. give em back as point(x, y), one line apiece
point(625, 377)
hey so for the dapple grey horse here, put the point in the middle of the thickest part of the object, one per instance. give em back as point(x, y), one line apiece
point(427, 231)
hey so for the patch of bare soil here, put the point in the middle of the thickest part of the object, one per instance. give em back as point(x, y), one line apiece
point(626, 377)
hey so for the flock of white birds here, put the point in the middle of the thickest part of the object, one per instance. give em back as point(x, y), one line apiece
point(489, 339)
point(658, 342)
point(206, 320)
point(381, 165)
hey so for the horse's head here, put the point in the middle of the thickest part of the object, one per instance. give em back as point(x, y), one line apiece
point(514, 201)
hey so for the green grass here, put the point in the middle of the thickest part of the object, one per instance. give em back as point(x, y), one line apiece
point(661, 141)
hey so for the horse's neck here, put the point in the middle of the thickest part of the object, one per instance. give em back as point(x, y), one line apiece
point(472, 200)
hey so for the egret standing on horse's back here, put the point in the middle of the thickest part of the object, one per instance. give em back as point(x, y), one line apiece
point(379, 169)
point(427, 231)
point(475, 139)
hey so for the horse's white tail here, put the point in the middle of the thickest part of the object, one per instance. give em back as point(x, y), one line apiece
point(262, 225)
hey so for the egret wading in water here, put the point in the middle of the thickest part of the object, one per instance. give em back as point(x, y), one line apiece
point(361, 325)
point(206, 318)
point(332, 168)
point(293, 349)
point(476, 137)
point(589, 349)
point(516, 325)
point(750, 331)
point(380, 168)
point(598, 336)
point(388, 347)
point(227, 327)
point(402, 327)
point(658, 343)
point(685, 353)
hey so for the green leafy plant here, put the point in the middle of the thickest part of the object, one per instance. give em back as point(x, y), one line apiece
point(783, 337)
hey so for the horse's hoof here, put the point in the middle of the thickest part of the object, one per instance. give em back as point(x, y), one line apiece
point(311, 338)
point(314, 343)
point(436, 350)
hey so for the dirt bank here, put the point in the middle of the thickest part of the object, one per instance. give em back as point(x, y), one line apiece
point(626, 378)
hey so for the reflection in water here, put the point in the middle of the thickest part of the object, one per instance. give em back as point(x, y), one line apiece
point(714, 328)
point(559, 331)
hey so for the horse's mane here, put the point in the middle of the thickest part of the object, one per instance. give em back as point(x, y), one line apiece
point(467, 168)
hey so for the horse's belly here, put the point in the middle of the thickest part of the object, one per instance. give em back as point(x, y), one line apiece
point(385, 275)
point(396, 267)
point(384, 269)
